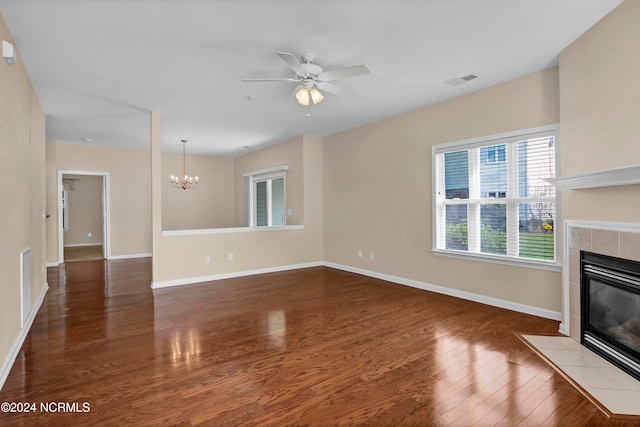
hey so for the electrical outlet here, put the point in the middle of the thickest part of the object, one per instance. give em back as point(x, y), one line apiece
point(207, 259)
point(372, 256)
point(289, 212)
point(230, 256)
point(89, 234)
point(359, 253)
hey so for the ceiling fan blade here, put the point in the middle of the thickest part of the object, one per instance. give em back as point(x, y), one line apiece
point(293, 63)
point(333, 89)
point(275, 79)
point(357, 70)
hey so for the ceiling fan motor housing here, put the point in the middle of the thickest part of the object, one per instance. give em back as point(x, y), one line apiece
point(311, 69)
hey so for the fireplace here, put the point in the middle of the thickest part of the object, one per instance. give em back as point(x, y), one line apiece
point(610, 309)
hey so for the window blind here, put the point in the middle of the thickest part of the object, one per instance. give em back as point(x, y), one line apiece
point(492, 197)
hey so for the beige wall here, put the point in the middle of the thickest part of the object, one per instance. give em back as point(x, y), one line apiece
point(378, 190)
point(22, 226)
point(252, 249)
point(85, 210)
point(219, 199)
point(288, 153)
point(600, 114)
point(209, 205)
point(130, 196)
point(593, 95)
point(52, 202)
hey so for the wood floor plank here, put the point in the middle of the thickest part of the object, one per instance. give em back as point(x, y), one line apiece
point(314, 347)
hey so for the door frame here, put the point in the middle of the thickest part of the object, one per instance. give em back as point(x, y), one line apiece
point(106, 212)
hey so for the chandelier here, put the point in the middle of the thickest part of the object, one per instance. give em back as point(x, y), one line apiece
point(185, 181)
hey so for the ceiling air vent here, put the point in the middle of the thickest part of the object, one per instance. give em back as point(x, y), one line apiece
point(460, 80)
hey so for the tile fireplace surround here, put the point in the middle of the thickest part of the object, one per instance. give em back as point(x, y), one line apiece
point(612, 390)
point(612, 239)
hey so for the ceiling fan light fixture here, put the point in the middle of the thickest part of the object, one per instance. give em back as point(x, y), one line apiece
point(316, 96)
point(303, 96)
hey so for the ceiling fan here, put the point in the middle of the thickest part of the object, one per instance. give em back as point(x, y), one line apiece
point(311, 78)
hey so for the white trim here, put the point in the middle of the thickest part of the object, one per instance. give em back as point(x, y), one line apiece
point(437, 240)
point(564, 328)
point(106, 211)
point(495, 302)
point(267, 170)
point(53, 264)
point(213, 277)
point(6, 366)
point(605, 178)
point(76, 245)
point(194, 232)
point(499, 138)
point(611, 226)
point(565, 324)
point(129, 256)
point(498, 259)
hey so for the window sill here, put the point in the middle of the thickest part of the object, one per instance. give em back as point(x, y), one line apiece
point(229, 230)
point(539, 265)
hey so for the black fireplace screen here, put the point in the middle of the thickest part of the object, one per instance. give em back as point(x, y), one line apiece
point(610, 295)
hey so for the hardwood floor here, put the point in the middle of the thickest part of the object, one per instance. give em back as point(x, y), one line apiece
point(308, 347)
point(83, 253)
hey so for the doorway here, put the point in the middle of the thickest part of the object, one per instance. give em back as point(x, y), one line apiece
point(83, 216)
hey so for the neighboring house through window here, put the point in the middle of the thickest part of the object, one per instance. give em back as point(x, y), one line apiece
point(491, 199)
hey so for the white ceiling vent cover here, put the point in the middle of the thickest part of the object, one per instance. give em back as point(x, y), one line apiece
point(460, 80)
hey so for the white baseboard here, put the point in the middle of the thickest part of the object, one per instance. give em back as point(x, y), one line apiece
point(509, 305)
point(496, 302)
point(129, 256)
point(77, 245)
point(6, 366)
point(191, 280)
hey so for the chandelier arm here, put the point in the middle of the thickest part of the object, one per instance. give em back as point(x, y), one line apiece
point(185, 181)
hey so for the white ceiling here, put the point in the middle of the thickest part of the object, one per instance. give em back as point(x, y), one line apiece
point(100, 66)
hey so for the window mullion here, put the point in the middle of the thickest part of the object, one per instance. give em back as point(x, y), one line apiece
point(473, 215)
point(439, 200)
point(513, 220)
point(269, 203)
point(487, 187)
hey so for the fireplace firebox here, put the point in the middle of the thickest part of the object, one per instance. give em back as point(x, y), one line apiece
point(610, 309)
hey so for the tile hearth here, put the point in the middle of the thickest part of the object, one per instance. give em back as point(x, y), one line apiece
point(608, 387)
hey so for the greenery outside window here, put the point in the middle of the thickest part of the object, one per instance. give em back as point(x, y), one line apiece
point(492, 200)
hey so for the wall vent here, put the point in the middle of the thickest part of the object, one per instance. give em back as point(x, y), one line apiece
point(25, 285)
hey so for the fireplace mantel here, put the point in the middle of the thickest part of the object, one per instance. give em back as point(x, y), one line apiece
point(604, 178)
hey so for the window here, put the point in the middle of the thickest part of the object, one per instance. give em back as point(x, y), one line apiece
point(491, 198)
point(493, 154)
point(266, 197)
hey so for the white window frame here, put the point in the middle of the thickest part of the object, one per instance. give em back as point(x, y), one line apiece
point(439, 207)
point(263, 175)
